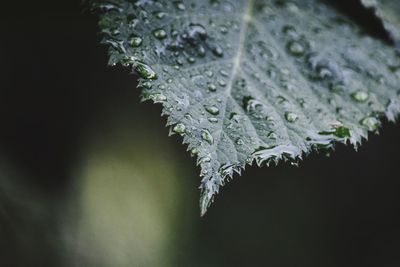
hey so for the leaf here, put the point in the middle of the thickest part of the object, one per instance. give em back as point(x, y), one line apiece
point(246, 81)
point(389, 12)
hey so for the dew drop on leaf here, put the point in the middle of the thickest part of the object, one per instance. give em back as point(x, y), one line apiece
point(179, 5)
point(295, 48)
point(180, 128)
point(222, 83)
point(147, 85)
point(217, 50)
point(160, 34)
point(213, 110)
point(160, 14)
point(212, 87)
point(135, 41)
point(239, 141)
point(360, 96)
point(196, 32)
point(145, 71)
point(371, 123)
point(291, 117)
point(206, 135)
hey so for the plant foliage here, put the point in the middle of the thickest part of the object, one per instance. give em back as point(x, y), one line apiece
point(389, 12)
point(246, 81)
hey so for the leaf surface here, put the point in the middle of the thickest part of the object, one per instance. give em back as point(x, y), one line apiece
point(389, 12)
point(254, 81)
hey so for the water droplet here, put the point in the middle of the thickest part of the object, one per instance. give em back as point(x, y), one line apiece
point(209, 73)
point(217, 50)
point(180, 6)
point(135, 41)
point(160, 14)
point(224, 73)
point(201, 51)
point(196, 32)
point(338, 131)
point(145, 71)
point(295, 48)
point(179, 61)
point(191, 60)
point(180, 128)
point(157, 98)
point(194, 152)
point(272, 136)
point(160, 33)
point(239, 141)
point(371, 123)
point(288, 29)
point(206, 135)
point(342, 132)
point(291, 117)
point(213, 110)
point(223, 29)
point(360, 96)
point(108, 7)
point(222, 83)
point(147, 85)
point(212, 87)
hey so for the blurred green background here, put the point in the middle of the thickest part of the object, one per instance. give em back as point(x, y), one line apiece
point(89, 176)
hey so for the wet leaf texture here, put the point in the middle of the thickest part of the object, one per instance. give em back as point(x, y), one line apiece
point(246, 81)
point(389, 12)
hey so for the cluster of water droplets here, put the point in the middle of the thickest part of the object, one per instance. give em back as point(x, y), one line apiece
point(292, 91)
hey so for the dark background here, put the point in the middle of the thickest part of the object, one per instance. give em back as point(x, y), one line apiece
point(56, 91)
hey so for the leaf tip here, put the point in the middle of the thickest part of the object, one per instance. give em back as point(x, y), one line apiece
point(205, 202)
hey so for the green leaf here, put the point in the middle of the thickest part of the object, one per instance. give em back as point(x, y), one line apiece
point(254, 81)
point(389, 12)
